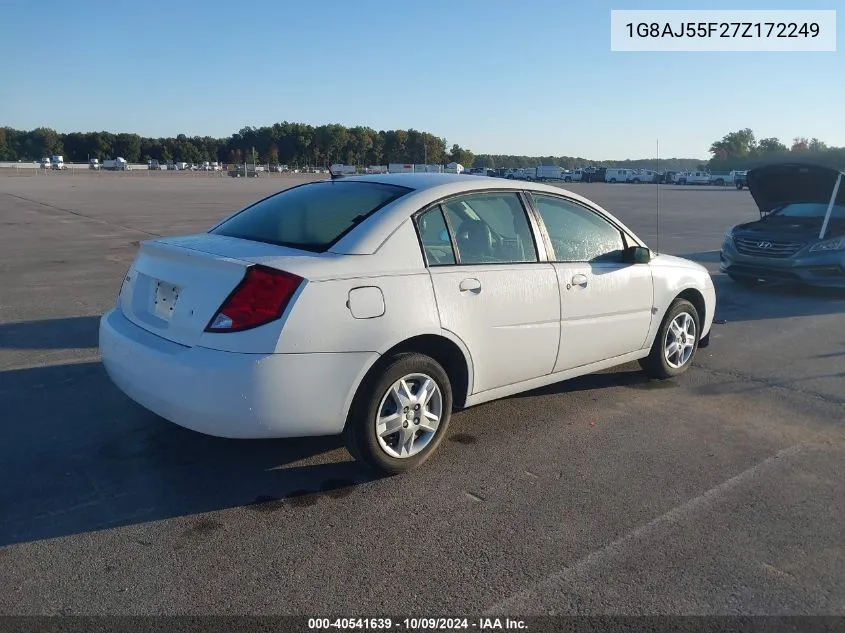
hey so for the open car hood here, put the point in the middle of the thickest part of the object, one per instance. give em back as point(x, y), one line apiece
point(773, 186)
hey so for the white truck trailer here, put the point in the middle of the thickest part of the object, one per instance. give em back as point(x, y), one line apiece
point(339, 169)
point(549, 172)
point(115, 164)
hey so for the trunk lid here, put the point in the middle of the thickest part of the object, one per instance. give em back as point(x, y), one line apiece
point(176, 285)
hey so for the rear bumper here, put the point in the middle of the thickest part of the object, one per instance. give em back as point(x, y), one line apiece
point(826, 270)
point(227, 394)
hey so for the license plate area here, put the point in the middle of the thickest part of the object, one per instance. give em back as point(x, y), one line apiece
point(166, 297)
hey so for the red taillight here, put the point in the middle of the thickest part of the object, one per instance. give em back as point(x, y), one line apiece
point(260, 298)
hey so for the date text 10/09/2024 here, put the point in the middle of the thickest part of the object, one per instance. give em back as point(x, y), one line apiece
point(723, 29)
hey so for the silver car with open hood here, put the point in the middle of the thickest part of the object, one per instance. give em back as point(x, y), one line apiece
point(800, 236)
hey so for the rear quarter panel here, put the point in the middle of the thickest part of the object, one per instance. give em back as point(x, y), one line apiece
point(322, 318)
point(318, 318)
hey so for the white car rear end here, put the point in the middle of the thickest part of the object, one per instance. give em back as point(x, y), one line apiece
point(197, 333)
point(368, 306)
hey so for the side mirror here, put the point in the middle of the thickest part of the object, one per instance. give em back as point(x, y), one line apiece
point(637, 255)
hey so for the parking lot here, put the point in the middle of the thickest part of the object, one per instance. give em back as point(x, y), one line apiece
point(718, 493)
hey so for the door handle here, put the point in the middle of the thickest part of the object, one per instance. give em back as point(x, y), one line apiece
point(470, 285)
point(579, 280)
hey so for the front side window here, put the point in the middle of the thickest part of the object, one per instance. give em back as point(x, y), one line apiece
point(578, 234)
point(310, 217)
point(491, 228)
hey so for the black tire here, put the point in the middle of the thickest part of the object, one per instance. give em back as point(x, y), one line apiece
point(720, 182)
point(655, 364)
point(359, 434)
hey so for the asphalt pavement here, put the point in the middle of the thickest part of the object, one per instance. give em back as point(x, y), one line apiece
point(717, 493)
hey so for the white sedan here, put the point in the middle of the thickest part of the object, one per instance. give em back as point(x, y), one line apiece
point(372, 306)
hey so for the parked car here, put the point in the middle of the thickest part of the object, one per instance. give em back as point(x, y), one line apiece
point(371, 306)
point(741, 180)
point(596, 174)
point(722, 179)
point(646, 176)
point(800, 236)
point(576, 175)
point(692, 178)
point(248, 171)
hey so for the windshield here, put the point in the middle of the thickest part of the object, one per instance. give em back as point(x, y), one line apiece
point(809, 210)
point(310, 217)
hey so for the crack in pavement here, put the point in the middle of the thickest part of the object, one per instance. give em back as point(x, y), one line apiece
point(518, 601)
point(82, 215)
point(773, 384)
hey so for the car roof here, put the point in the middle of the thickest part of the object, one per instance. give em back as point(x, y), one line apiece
point(417, 180)
point(440, 185)
point(426, 189)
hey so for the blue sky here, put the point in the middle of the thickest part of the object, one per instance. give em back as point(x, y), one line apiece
point(529, 77)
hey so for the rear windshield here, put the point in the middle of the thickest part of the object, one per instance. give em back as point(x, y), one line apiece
point(310, 217)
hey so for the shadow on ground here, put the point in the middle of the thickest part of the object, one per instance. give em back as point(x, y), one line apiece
point(629, 375)
point(744, 302)
point(78, 456)
point(702, 257)
point(737, 302)
point(65, 333)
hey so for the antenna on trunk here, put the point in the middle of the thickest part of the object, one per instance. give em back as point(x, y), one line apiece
point(657, 195)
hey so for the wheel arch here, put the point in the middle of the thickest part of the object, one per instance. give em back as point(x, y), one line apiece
point(667, 291)
point(696, 298)
point(444, 347)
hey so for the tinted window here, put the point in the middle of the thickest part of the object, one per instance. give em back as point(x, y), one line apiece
point(434, 235)
point(491, 228)
point(577, 234)
point(312, 216)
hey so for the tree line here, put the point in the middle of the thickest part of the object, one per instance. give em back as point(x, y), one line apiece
point(493, 161)
point(300, 144)
point(742, 150)
point(295, 144)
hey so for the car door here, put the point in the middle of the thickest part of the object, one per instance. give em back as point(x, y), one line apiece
point(492, 291)
point(606, 303)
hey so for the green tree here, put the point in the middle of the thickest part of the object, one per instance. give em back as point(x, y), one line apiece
point(5, 151)
point(815, 145)
point(800, 145)
point(771, 146)
point(463, 156)
point(735, 144)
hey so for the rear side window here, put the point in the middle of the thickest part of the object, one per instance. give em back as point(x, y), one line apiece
point(437, 245)
point(310, 217)
point(491, 228)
